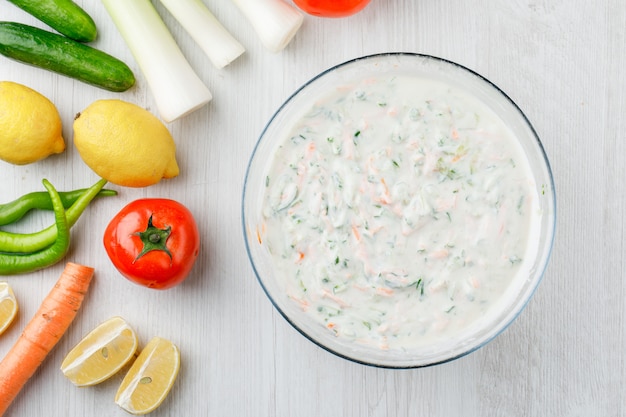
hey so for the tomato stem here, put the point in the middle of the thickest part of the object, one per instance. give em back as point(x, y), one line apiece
point(154, 238)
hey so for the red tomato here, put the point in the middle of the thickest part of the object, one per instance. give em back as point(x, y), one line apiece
point(153, 242)
point(331, 8)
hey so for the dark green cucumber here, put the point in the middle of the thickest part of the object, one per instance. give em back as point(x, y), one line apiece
point(62, 55)
point(64, 16)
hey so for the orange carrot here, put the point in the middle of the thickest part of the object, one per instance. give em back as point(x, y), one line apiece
point(258, 235)
point(356, 233)
point(384, 291)
point(41, 334)
point(304, 304)
point(386, 197)
point(331, 296)
point(440, 254)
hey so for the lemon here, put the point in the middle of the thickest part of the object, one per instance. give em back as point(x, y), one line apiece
point(101, 354)
point(30, 125)
point(8, 306)
point(150, 378)
point(125, 144)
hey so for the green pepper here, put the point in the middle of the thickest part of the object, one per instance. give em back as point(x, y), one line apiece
point(11, 264)
point(40, 200)
point(23, 243)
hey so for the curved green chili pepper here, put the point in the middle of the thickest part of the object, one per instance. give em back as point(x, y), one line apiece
point(11, 264)
point(40, 200)
point(33, 242)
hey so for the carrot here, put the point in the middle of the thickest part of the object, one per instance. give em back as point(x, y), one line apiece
point(304, 304)
point(384, 291)
point(356, 233)
point(331, 296)
point(258, 235)
point(310, 149)
point(440, 254)
point(41, 334)
point(386, 197)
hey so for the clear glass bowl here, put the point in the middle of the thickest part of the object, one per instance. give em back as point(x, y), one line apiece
point(390, 64)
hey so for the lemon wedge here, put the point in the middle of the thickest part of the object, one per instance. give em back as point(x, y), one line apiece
point(101, 354)
point(8, 306)
point(150, 378)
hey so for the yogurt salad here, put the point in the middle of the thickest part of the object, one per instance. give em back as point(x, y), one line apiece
point(398, 211)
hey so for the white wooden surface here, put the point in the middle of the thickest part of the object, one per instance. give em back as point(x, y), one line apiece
point(561, 61)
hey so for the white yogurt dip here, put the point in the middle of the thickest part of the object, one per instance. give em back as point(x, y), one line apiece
point(398, 211)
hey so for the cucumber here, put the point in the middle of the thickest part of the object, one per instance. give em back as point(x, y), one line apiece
point(64, 16)
point(57, 53)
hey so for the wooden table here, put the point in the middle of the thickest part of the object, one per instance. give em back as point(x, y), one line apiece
point(562, 62)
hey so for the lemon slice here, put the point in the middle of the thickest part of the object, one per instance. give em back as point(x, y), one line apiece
point(103, 352)
point(151, 377)
point(8, 306)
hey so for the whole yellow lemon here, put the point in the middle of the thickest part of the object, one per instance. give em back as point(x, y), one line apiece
point(30, 125)
point(125, 144)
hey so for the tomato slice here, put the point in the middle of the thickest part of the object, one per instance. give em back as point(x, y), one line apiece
point(331, 8)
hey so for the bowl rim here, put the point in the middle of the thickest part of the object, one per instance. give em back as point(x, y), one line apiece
point(544, 256)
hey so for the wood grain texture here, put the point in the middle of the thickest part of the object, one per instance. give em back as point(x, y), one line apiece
point(560, 61)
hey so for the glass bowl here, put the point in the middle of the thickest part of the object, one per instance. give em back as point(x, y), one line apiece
point(508, 305)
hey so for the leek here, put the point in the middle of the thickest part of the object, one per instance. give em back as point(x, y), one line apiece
point(216, 42)
point(176, 88)
point(274, 21)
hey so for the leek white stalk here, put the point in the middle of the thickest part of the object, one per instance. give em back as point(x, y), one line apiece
point(216, 42)
point(274, 21)
point(176, 87)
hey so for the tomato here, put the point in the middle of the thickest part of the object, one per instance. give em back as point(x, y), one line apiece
point(331, 8)
point(153, 242)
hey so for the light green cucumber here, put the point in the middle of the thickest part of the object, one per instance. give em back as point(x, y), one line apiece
point(53, 52)
point(64, 16)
